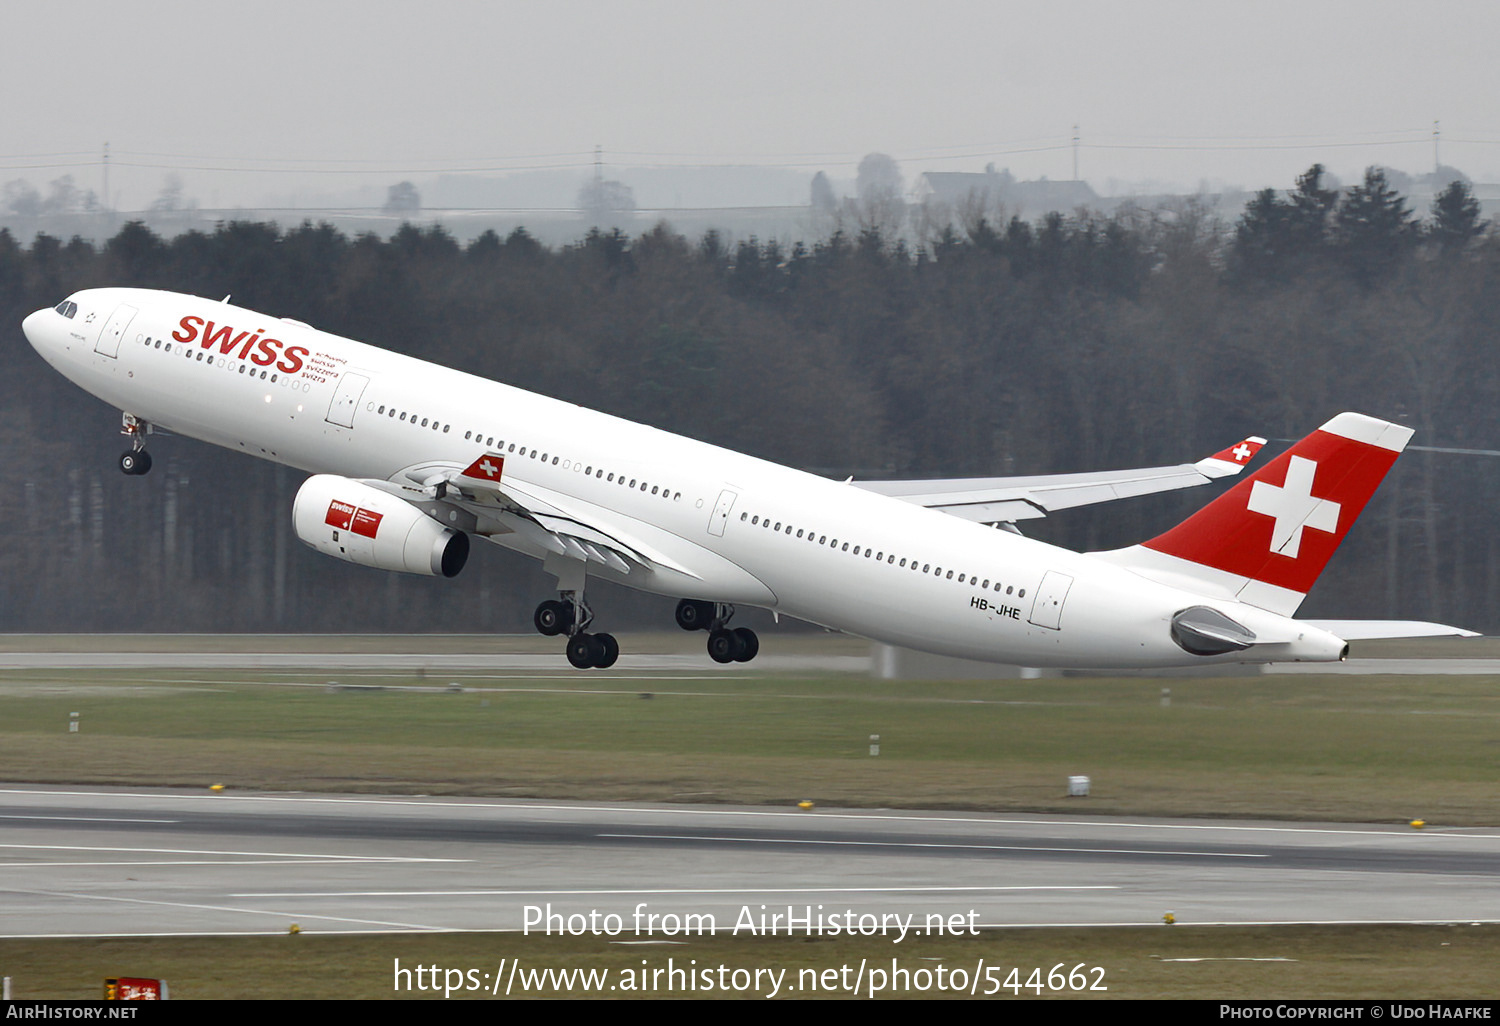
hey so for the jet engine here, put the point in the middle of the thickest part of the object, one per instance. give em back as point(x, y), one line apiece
point(360, 524)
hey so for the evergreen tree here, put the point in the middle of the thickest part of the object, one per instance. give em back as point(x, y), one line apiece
point(1375, 230)
point(1455, 218)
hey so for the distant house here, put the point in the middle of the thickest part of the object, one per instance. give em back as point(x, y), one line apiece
point(959, 192)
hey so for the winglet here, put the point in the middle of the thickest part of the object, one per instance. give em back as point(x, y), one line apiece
point(1230, 461)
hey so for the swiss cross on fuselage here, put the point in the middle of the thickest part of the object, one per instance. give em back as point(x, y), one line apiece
point(1293, 506)
point(488, 467)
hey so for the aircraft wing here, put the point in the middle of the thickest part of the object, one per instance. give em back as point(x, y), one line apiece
point(1004, 500)
point(550, 521)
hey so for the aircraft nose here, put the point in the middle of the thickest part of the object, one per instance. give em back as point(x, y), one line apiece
point(31, 327)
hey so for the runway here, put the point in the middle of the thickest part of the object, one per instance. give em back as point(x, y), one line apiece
point(92, 862)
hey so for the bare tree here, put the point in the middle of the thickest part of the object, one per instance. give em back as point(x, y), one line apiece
point(881, 204)
point(402, 200)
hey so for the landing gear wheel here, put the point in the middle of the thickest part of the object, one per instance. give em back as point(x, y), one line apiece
point(611, 651)
point(693, 615)
point(586, 650)
point(749, 644)
point(135, 462)
point(723, 646)
point(552, 618)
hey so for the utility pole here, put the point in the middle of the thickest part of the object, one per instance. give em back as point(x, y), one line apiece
point(1075, 153)
point(598, 163)
point(105, 204)
point(1436, 163)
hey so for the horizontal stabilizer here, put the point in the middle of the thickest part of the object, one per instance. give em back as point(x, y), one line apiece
point(1370, 630)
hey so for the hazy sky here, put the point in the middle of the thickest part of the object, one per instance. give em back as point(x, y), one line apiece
point(1165, 91)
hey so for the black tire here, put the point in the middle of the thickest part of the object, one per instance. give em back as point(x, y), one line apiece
point(723, 646)
point(552, 618)
point(694, 615)
point(749, 644)
point(135, 462)
point(584, 651)
point(611, 651)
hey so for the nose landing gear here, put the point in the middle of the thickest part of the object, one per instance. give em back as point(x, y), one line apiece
point(137, 461)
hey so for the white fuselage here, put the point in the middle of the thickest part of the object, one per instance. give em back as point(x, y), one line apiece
point(726, 527)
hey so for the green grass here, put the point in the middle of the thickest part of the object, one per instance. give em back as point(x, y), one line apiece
point(1383, 749)
point(1312, 962)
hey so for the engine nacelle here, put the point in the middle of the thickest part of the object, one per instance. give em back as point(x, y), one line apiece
point(360, 524)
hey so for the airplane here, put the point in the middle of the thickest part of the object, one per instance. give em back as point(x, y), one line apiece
point(411, 460)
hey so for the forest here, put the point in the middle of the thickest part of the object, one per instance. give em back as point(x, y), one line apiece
point(986, 346)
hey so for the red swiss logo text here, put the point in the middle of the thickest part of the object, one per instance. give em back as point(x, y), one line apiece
point(244, 345)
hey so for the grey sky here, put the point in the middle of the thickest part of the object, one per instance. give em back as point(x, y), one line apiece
point(1247, 94)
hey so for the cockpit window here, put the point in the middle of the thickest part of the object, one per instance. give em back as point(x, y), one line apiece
point(67, 308)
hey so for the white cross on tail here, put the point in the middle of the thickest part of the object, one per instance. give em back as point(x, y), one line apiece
point(1294, 507)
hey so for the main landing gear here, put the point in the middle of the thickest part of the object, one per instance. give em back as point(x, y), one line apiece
point(724, 645)
point(572, 616)
point(137, 461)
